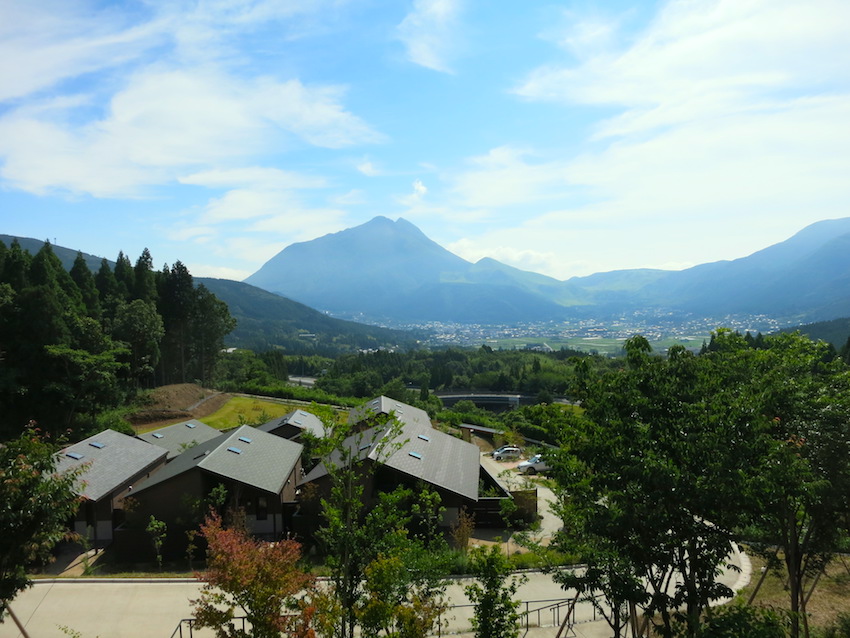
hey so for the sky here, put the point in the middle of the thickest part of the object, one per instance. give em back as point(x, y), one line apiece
point(565, 138)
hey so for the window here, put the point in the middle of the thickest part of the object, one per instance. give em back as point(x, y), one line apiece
point(262, 508)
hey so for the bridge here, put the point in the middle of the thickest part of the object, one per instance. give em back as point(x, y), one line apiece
point(496, 402)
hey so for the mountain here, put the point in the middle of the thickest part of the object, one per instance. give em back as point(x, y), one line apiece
point(66, 255)
point(265, 320)
point(386, 269)
point(807, 277)
point(391, 271)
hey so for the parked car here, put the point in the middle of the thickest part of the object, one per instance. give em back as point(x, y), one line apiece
point(507, 453)
point(533, 465)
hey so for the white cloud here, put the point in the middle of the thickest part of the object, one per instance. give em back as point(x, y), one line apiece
point(367, 168)
point(416, 196)
point(525, 259)
point(301, 223)
point(354, 197)
point(706, 58)
point(428, 32)
point(165, 122)
point(732, 119)
point(255, 177)
point(42, 43)
point(504, 178)
point(216, 271)
point(244, 204)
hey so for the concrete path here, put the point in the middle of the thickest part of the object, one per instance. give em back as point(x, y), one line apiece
point(136, 608)
point(131, 608)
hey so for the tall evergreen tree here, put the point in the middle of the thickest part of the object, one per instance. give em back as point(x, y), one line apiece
point(210, 323)
point(17, 266)
point(176, 302)
point(108, 289)
point(84, 281)
point(144, 287)
point(125, 276)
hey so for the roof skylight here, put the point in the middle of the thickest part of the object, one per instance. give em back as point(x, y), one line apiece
point(244, 439)
point(156, 435)
point(415, 455)
point(74, 455)
point(97, 444)
point(235, 450)
point(190, 425)
point(424, 438)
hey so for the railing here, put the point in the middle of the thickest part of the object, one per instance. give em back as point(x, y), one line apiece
point(561, 612)
point(189, 623)
point(531, 617)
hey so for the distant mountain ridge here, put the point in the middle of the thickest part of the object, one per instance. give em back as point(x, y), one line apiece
point(391, 270)
point(264, 320)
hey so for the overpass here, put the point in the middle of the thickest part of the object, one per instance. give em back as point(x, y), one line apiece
point(497, 402)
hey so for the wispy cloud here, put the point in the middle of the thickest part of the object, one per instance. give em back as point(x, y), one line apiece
point(254, 176)
point(165, 122)
point(731, 115)
point(43, 43)
point(504, 177)
point(429, 33)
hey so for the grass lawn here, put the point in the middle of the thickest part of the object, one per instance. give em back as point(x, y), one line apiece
point(247, 411)
point(831, 596)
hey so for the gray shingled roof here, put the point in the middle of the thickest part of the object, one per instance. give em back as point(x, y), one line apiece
point(179, 437)
point(110, 459)
point(303, 420)
point(263, 461)
point(419, 451)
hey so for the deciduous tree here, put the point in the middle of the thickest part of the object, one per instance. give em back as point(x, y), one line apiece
point(35, 504)
point(263, 580)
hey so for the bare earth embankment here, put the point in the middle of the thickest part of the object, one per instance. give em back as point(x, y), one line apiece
point(174, 403)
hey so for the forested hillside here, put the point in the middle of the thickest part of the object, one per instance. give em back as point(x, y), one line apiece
point(75, 343)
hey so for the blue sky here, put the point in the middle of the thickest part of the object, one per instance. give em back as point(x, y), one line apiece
point(561, 137)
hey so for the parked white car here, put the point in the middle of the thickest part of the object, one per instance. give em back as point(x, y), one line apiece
point(533, 465)
point(506, 453)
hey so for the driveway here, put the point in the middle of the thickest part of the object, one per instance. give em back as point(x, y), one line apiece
point(507, 474)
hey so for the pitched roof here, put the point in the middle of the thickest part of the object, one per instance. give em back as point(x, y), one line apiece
point(246, 455)
point(403, 412)
point(111, 459)
point(177, 438)
point(304, 421)
point(418, 451)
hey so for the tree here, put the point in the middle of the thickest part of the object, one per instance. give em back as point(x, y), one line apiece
point(496, 614)
point(660, 472)
point(263, 580)
point(84, 280)
point(85, 375)
point(138, 325)
point(158, 531)
point(210, 322)
point(35, 504)
point(387, 566)
point(144, 278)
point(805, 393)
point(176, 301)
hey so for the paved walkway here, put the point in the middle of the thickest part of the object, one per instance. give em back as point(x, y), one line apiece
point(136, 608)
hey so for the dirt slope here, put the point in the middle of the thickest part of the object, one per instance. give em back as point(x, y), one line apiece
point(179, 402)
